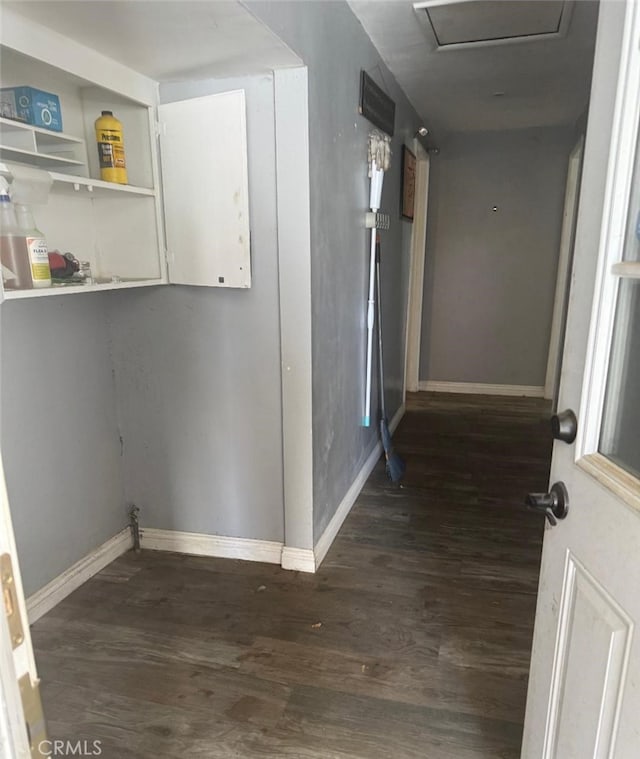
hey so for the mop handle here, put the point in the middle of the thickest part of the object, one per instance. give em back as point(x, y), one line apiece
point(366, 420)
point(375, 194)
point(380, 358)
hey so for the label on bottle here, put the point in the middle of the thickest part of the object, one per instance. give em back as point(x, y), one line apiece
point(110, 150)
point(39, 257)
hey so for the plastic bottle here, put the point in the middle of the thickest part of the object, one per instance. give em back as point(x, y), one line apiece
point(38, 252)
point(111, 148)
point(14, 254)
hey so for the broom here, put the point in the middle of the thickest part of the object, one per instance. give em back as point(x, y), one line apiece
point(395, 465)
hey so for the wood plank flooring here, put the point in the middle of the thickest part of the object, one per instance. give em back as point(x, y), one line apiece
point(413, 639)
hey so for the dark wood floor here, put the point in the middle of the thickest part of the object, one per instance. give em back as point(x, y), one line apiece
point(413, 639)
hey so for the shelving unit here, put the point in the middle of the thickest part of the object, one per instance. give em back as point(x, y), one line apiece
point(59, 289)
point(202, 209)
point(72, 184)
point(39, 147)
point(117, 228)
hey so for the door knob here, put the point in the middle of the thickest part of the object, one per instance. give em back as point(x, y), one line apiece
point(554, 504)
point(564, 426)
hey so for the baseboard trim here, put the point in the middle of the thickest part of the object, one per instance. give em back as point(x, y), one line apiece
point(202, 544)
point(298, 559)
point(342, 512)
point(478, 388)
point(64, 584)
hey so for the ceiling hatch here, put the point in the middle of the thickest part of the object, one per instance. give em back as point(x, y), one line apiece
point(492, 22)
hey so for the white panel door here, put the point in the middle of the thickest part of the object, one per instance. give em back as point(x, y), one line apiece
point(584, 687)
point(203, 151)
point(16, 652)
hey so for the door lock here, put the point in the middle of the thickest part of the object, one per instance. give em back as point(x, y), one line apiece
point(564, 426)
point(554, 504)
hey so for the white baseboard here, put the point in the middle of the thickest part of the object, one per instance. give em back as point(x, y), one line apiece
point(221, 546)
point(478, 388)
point(199, 544)
point(299, 559)
point(64, 584)
point(331, 530)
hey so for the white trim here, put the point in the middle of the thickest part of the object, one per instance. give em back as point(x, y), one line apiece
point(342, 512)
point(416, 274)
point(201, 544)
point(299, 559)
point(626, 269)
point(14, 741)
point(567, 238)
point(23, 655)
point(478, 388)
point(64, 584)
point(618, 183)
point(291, 100)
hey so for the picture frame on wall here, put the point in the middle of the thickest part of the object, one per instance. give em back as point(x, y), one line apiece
point(408, 184)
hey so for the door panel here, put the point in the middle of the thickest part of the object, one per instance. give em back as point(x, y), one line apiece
point(206, 190)
point(592, 650)
point(584, 686)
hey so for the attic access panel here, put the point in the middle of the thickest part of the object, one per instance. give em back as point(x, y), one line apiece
point(487, 22)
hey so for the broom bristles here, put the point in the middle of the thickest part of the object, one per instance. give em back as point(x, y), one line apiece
point(395, 465)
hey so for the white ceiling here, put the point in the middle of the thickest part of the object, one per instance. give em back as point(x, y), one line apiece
point(545, 82)
point(167, 40)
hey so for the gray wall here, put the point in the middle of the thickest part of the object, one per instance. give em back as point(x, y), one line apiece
point(198, 373)
point(60, 440)
point(490, 277)
point(332, 43)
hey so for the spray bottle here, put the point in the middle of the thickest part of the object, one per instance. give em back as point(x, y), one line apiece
point(14, 255)
point(36, 244)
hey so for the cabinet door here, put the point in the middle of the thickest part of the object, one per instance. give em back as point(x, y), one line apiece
point(203, 148)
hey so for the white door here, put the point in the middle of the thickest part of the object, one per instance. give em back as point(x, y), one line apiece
point(584, 686)
point(22, 728)
point(203, 152)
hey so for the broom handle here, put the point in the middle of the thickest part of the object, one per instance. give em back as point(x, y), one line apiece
point(380, 358)
point(366, 421)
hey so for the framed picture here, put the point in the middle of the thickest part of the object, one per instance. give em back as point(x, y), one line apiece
point(408, 185)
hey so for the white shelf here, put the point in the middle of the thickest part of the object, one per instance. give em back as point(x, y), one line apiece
point(38, 147)
point(66, 183)
point(48, 135)
point(44, 292)
point(70, 184)
point(33, 158)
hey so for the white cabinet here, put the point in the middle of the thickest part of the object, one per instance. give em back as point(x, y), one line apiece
point(206, 205)
point(120, 229)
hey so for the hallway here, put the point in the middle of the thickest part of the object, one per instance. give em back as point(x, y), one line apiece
point(412, 640)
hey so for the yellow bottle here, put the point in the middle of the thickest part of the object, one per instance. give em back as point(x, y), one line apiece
point(111, 148)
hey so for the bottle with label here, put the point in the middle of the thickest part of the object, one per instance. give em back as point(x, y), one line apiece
point(14, 256)
point(38, 252)
point(110, 141)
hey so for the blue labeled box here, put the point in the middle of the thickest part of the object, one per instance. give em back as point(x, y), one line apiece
point(41, 109)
